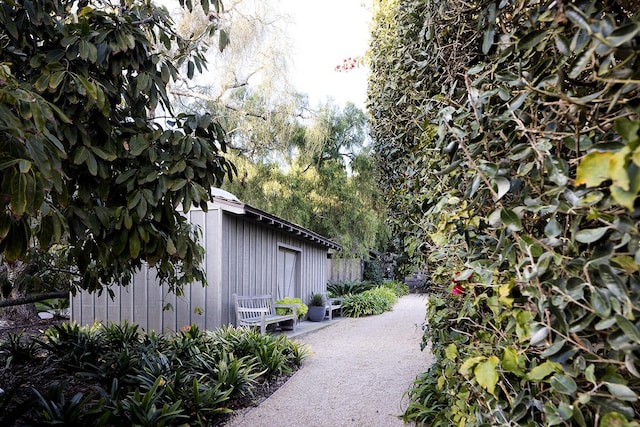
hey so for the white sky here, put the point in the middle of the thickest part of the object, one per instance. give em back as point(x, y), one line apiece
point(323, 34)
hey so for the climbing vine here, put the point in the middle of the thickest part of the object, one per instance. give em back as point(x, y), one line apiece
point(506, 133)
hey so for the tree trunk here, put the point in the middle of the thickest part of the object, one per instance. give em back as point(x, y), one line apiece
point(25, 313)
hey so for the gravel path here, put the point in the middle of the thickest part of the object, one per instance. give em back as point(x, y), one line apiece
point(357, 375)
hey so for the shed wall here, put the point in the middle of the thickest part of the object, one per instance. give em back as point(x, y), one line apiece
point(250, 254)
point(150, 305)
point(241, 256)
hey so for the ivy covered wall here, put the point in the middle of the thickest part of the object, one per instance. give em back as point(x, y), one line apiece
point(507, 136)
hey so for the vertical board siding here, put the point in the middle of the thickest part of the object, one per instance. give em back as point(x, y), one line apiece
point(241, 256)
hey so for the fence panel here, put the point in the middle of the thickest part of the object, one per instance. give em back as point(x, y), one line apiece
point(344, 269)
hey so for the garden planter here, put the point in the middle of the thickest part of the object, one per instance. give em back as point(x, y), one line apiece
point(315, 313)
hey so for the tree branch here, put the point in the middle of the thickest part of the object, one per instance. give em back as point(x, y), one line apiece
point(203, 97)
point(33, 298)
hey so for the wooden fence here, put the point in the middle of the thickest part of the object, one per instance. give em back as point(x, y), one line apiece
point(344, 269)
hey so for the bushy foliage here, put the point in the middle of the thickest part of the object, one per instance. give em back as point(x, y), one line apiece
point(343, 288)
point(507, 133)
point(328, 184)
point(398, 288)
point(370, 302)
point(373, 271)
point(301, 310)
point(150, 379)
point(85, 163)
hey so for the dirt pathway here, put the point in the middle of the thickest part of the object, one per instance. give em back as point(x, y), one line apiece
point(357, 375)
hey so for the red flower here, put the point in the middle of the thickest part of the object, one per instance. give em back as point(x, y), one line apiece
point(458, 289)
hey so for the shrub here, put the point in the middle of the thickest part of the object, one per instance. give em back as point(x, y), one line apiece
point(156, 380)
point(373, 271)
point(373, 301)
point(399, 288)
point(508, 146)
point(301, 310)
point(348, 287)
point(17, 349)
point(73, 345)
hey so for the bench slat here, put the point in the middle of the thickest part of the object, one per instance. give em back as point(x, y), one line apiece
point(261, 310)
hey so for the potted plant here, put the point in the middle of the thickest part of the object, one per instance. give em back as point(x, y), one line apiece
point(317, 307)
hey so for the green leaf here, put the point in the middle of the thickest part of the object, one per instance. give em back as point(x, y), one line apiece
point(600, 303)
point(24, 166)
point(487, 39)
point(553, 349)
point(16, 242)
point(589, 374)
point(223, 40)
point(56, 79)
point(618, 170)
point(171, 247)
point(591, 235)
point(80, 155)
point(615, 419)
point(467, 365)
point(502, 187)
point(613, 282)
point(38, 116)
point(137, 145)
point(533, 39)
point(190, 69)
point(19, 194)
point(628, 328)
point(103, 154)
point(627, 263)
point(563, 384)
point(581, 62)
point(542, 371)
point(623, 34)
point(562, 44)
point(510, 362)
point(622, 392)
point(134, 244)
point(553, 228)
point(92, 164)
point(511, 219)
point(451, 352)
point(578, 18)
point(486, 374)
point(593, 170)
point(628, 129)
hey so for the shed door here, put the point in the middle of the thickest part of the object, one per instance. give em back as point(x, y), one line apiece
point(288, 273)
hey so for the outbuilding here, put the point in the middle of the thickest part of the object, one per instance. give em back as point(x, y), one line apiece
point(247, 251)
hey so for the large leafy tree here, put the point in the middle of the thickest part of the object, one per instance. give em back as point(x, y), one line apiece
point(325, 181)
point(85, 163)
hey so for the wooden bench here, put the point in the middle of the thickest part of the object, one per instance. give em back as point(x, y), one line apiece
point(260, 310)
point(332, 304)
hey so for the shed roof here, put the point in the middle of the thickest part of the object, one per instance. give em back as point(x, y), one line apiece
point(230, 203)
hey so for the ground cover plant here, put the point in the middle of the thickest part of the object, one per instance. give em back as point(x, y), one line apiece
point(116, 374)
point(507, 135)
point(370, 302)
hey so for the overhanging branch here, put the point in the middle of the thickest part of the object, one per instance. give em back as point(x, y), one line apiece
point(33, 298)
